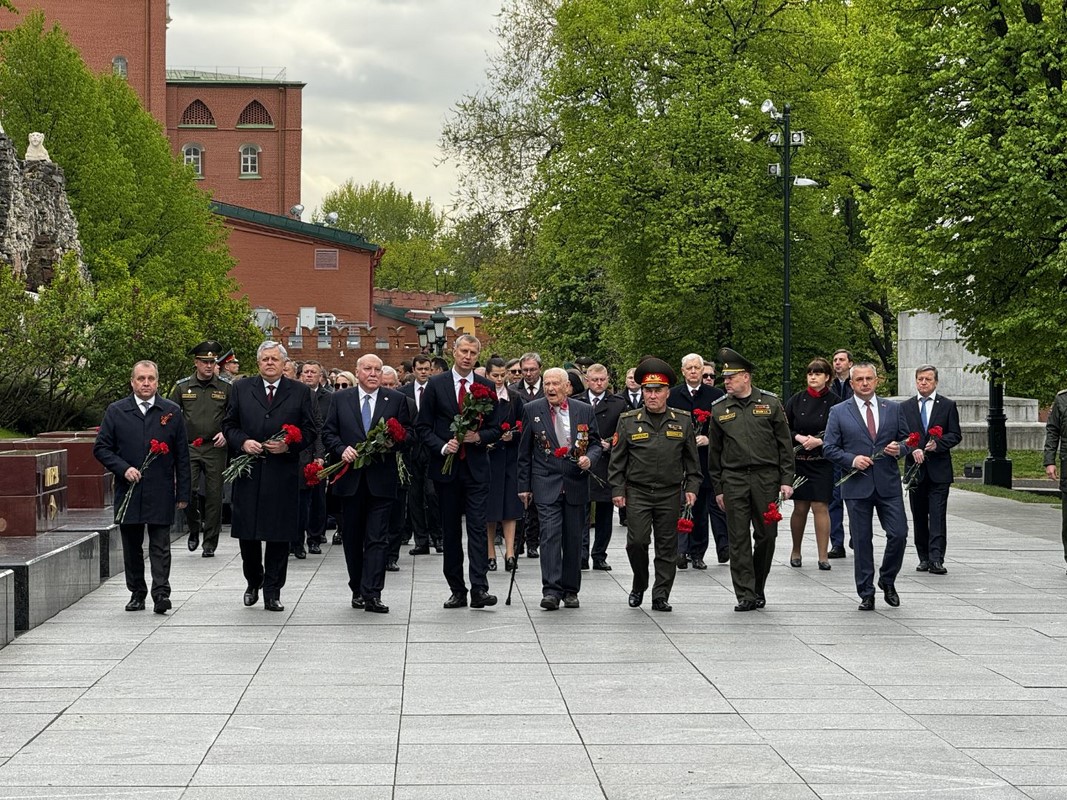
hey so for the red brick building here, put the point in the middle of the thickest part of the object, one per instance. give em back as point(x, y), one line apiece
point(240, 132)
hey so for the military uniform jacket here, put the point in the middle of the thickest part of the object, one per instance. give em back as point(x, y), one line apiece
point(203, 405)
point(1056, 430)
point(654, 451)
point(747, 433)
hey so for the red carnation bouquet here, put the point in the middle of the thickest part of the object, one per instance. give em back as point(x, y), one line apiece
point(241, 467)
point(156, 449)
point(910, 444)
point(478, 403)
point(914, 472)
point(773, 514)
point(685, 521)
point(702, 418)
point(379, 442)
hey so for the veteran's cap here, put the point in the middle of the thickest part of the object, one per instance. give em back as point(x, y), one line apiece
point(207, 350)
point(653, 372)
point(228, 357)
point(733, 362)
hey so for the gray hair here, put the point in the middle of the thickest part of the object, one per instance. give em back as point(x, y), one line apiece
point(467, 338)
point(863, 365)
point(144, 363)
point(693, 357)
point(390, 371)
point(926, 368)
point(271, 345)
point(531, 357)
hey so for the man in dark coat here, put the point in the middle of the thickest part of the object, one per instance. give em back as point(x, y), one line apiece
point(464, 490)
point(367, 493)
point(928, 497)
point(530, 387)
point(423, 508)
point(266, 502)
point(552, 430)
point(313, 498)
point(690, 395)
point(841, 385)
point(607, 408)
point(126, 436)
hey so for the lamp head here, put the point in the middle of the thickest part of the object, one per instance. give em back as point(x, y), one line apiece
point(297, 210)
point(768, 108)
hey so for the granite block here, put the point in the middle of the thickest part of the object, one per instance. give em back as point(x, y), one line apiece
point(52, 571)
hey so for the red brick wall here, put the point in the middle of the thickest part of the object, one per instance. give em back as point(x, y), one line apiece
point(277, 189)
point(103, 29)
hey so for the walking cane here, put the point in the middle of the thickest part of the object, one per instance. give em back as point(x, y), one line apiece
point(511, 585)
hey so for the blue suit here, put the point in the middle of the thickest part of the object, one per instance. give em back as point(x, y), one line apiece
point(875, 488)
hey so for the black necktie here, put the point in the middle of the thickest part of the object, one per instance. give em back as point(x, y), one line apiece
point(270, 394)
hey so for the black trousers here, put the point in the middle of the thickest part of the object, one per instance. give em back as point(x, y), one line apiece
point(528, 530)
point(562, 525)
point(929, 512)
point(265, 565)
point(398, 523)
point(464, 495)
point(365, 536)
point(158, 557)
point(423, 509)
point(603, 516)
point(312, 514)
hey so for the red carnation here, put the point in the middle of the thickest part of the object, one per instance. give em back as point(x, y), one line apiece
point(518, 426)
point(685, 525)
point(396, 430)
point(505, 426)
point(561, 452)
point(199, 440)
point(772, 514)
point(912, 441)
point(158, 447)
point(292, 434)
point(937, 431)
point(311, 474)
point(701, 415)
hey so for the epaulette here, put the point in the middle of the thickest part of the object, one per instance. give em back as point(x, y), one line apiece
point(633, 412)
point(764, 391)
point(225, 379)
point(186, 379)
point(724, 397)
point(1061, 391)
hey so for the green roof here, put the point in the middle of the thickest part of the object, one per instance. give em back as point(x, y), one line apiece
point(277, 221)
point(395, 313)
point(258, 77)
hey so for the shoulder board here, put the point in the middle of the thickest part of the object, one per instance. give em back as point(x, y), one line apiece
point(772, 394)
point(673, 415)
point(226, 379)
point(1061, 391)
point(724, 397)
point(633, 412)
point(186, 379)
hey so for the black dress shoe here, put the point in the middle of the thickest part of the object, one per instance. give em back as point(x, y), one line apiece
point(481, 598)
point(273, 605)
point(392, 566)
point(761, 601)
point(683, 562)
point(937, 568)
point(531, 552)
point(570, 601)
point(136, 602)
point(439, 548)
point(890, 592)
point(549, 603)
point(207, 553)
point(746, 605)
point(492, 565)
point(867, 603)
point(420, 550)
point(585, 563)
point(635, 599)
point(924, 566)
point(795, 562)
point(299, 552)
point(836, 552)
point(659, 604)
point(601, 565)
point(161, 605)
point(313, 547)
point(194, 541)
point(510, 563)
point(698, 563)
point(336, 538)
point(722, 555)
point(375, 606)
point(358, 601)
point(251, 596)
point(824, 565)
point(456, 601)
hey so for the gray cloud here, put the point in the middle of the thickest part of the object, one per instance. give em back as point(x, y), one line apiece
point(381, 76)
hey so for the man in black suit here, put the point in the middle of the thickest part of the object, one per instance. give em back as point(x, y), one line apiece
point(124, 441)
point(266, 502)
point(841, 385)
point(399, 526)
point(690, 395)
point(368, 491)
point(313, 498)
point(632, 393)
point(929, 496)
point(423, 508)
point(464, 489)
point(556, 484)
point(607, 408)
point(530, 387)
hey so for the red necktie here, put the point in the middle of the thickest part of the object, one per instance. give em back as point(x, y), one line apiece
point(270, 394)
point(462, 392)
point(870, 422)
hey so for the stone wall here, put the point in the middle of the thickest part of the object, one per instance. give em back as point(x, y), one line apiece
point(37, 226)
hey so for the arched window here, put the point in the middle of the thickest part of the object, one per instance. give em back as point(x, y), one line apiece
point(197, 113)
point(120, 67)
point(255, 115)
point(250, 159)
point(193, 155)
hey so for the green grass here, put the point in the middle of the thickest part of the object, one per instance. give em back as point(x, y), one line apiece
point(1010, 494)
point(1024, 463)
point(6, 434)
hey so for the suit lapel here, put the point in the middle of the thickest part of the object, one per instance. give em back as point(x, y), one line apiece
point(855, 411)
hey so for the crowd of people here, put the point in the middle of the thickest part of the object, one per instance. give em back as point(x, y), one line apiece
point(480, 458)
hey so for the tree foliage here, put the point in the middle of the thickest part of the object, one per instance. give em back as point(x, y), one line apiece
point(963, 108)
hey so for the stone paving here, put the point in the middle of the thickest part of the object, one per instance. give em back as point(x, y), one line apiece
point(960, 693)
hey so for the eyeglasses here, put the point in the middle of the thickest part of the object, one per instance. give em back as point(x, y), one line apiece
point(515, 371)
point(708, 376)
point(342, 385)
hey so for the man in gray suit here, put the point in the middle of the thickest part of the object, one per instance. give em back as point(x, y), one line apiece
point(560, 441)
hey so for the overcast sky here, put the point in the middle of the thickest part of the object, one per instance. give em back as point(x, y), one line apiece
point(381, 77)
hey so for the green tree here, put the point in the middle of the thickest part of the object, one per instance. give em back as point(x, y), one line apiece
point(962, 108)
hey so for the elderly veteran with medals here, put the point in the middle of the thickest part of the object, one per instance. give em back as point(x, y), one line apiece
point(751, 461)
point(654, 452)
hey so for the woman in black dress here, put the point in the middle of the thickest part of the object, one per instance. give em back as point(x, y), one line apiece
point(807, 412)
point(503, 505)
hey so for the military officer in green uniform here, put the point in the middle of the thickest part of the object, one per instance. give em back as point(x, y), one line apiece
point(1056, 454)
point(203, 397)
point(750, 457)
point(653, 460)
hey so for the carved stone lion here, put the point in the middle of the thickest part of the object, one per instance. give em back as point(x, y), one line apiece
point(36, 151)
